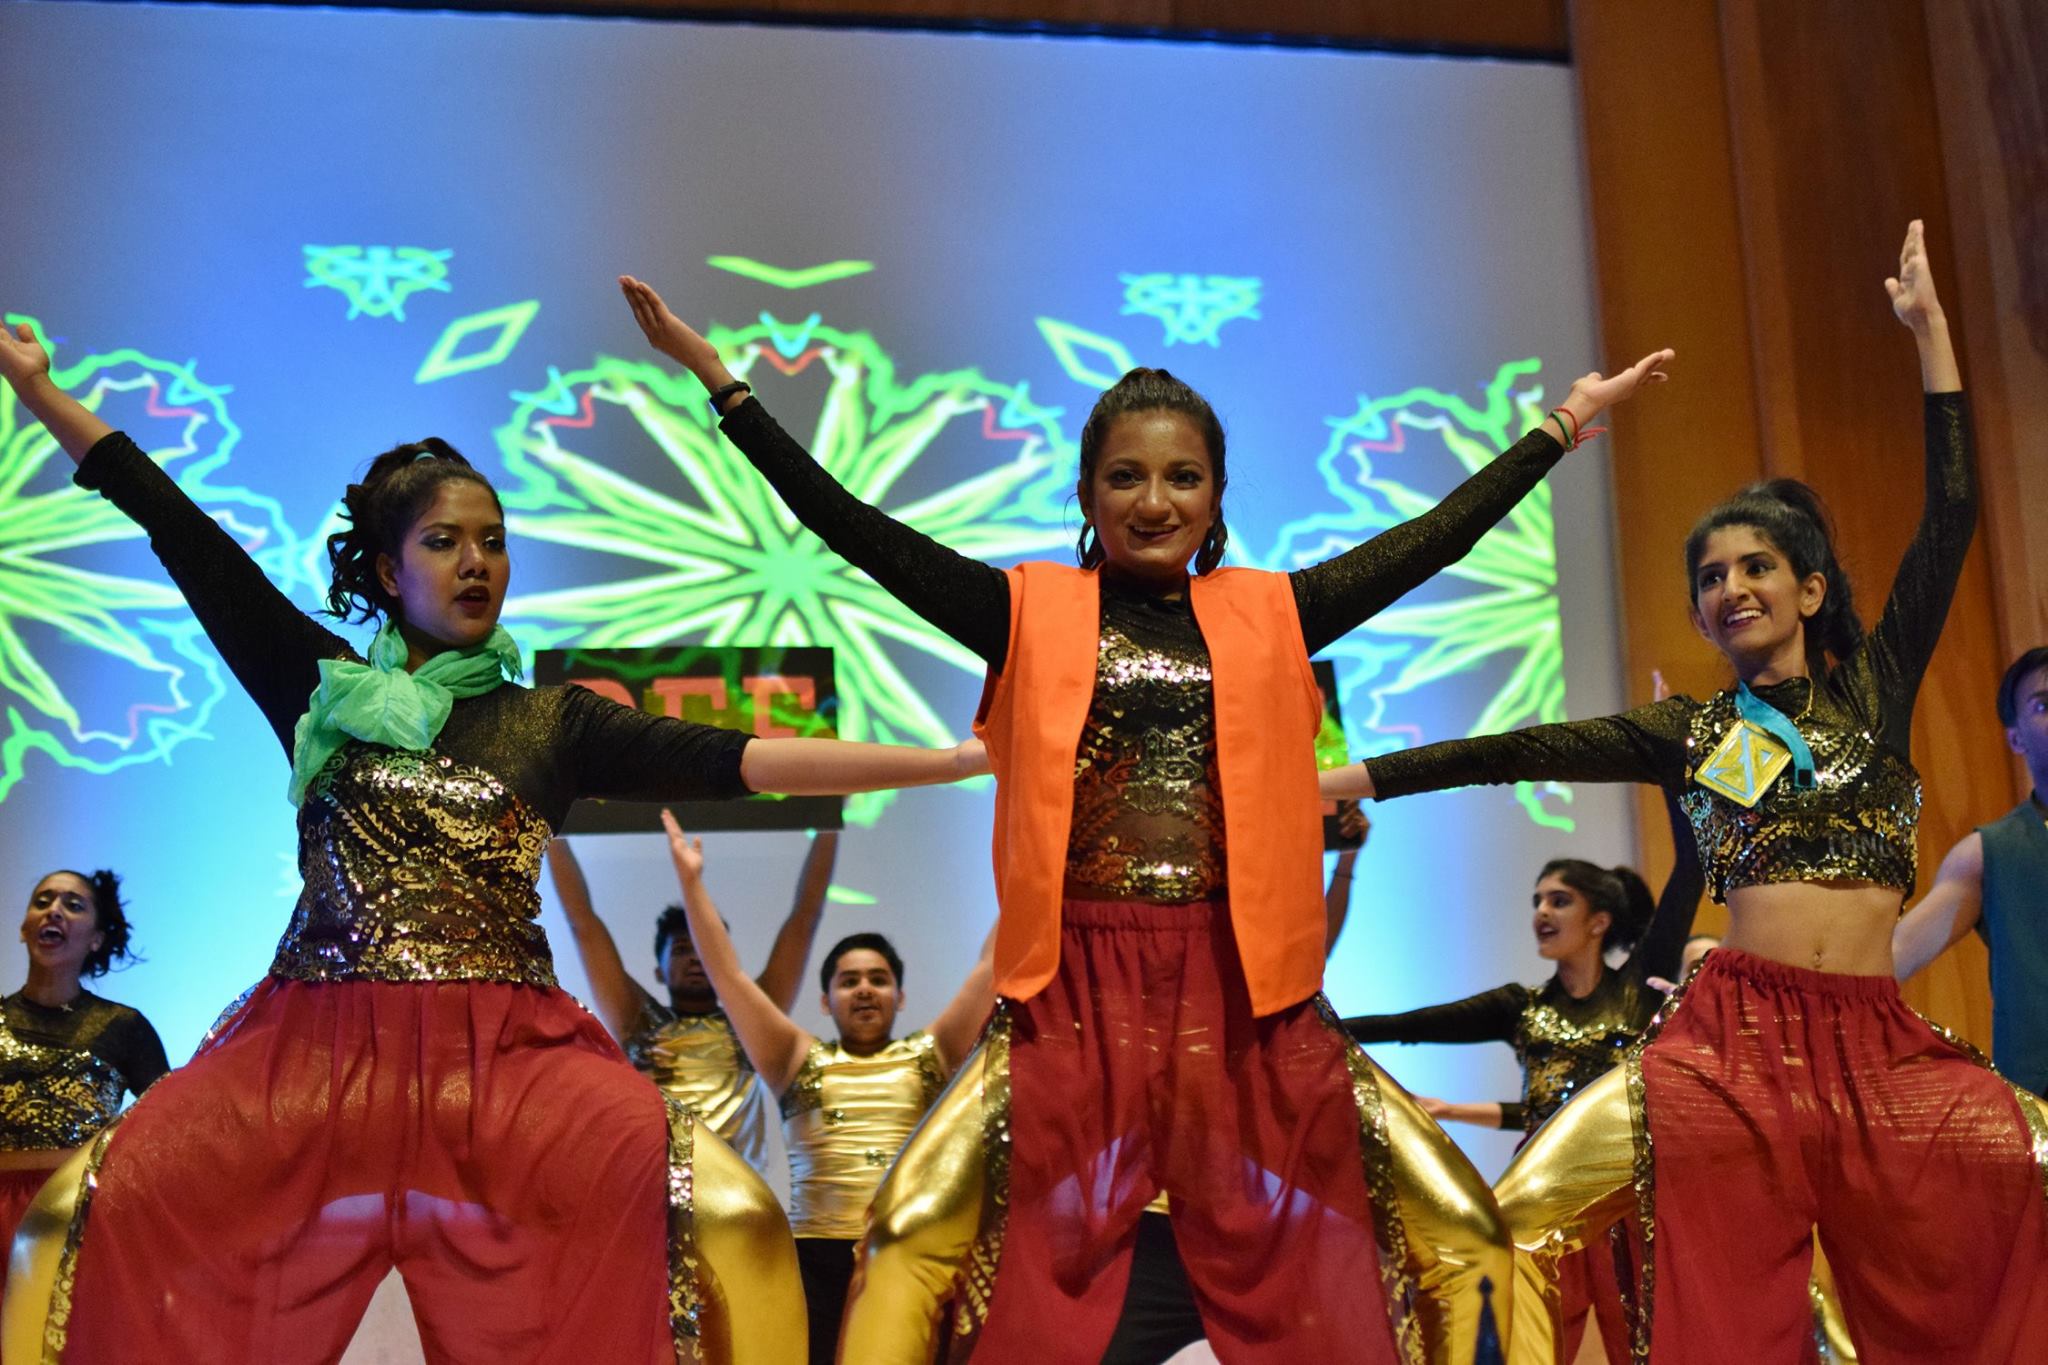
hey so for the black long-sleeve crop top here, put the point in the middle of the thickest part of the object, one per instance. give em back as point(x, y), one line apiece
point(1858, 822)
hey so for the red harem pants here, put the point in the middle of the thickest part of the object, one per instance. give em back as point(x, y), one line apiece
point(1589, 1288)
point(17, 1190)
point(1778, 1099)
point(1140, 1068)
point(488, 1141)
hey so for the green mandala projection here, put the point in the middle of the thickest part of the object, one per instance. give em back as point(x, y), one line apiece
point(376, 280)
point(1192, 308)
point(1506, 618)
point(59, 596)
point(707, 552)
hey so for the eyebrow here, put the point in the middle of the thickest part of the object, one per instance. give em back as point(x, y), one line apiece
point(457, 526)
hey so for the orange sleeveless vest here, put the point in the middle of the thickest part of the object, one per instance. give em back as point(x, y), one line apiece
point(1267, 711)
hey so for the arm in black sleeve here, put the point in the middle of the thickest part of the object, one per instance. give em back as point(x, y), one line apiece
point(1903, 641)
point(1663, 942)
point(622, 754)
point(141, 1061)
point(1335, 596)
point(1514, 1115)
point(273, 648)
point(1643, 745)
point(1488, 1017)
point(963, 597)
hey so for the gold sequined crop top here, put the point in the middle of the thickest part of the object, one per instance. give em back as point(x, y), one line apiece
point(1148, 805)
point(697, 1061)
point(1859, 821)
point(64, 1070)
point(844, 1118)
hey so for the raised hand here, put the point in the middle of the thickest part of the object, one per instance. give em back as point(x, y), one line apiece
point(22, 357)
point(687, 853)
point(1912, 289)
point(671, 336)
point(1593, 393)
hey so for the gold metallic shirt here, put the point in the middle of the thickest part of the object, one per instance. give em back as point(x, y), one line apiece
point(1148, 805)
point(63, 1070)
point(416, 868)
point(844, 1118)
point(697, 1060)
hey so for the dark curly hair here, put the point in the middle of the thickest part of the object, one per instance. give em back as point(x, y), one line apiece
point(1791, 516)
point(851, 942)
point(2009, 685)
point(1149, 390)
point(110, 918)
point(1618, 892)
point(395, 491)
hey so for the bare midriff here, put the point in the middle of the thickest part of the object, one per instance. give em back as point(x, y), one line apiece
point(1836, 926)
point(38, 1159)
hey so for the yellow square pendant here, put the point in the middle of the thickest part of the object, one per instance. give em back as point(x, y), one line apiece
point(1744, 764)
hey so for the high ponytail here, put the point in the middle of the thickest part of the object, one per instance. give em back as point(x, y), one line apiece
point(1151, 390)
point(396, 489)
point(1790, 515)
point(1620, 893)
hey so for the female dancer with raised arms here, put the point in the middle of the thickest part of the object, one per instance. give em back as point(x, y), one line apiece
point(408, 1087)
point(1791, 1089)
point(1163, 1025)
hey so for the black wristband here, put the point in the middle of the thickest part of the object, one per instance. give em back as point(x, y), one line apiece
point(725, 391)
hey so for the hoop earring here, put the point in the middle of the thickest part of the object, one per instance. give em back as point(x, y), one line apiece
point(1211, 553)
point(1088, 552)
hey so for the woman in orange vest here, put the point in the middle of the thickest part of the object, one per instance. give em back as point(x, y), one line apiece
point(1162, 1024)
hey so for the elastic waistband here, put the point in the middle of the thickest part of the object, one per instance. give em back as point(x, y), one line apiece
point(1145, 916)
point(1736, 965)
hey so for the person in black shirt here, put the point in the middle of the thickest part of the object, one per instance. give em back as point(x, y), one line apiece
point(67, 1056)
point(408, 1088)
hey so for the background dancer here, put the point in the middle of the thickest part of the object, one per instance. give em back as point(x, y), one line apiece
point(1794, 1089)
point(847, 1105)
point(687, 1046)
point(1995, 881)
point(1147, 1042)
point(1569, 1031)
point(408, 1088)
point(67, 1056)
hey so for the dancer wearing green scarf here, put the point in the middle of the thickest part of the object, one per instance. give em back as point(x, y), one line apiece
point(409, 1088)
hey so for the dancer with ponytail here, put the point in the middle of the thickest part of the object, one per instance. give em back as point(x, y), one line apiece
point(1570, 1031)
point(408, 1088)
point(1791, 1089)
point(1162, 1026)
point(67, 1056)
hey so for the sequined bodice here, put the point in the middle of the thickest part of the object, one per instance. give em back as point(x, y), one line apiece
point(1857, 823)
point(53, 1097)
point(1148, 806)
point(416, 868)
point(698, 1062)
point(844, 1118)
point(1564, 1044)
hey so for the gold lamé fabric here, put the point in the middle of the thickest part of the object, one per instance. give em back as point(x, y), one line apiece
point(697, 1061)
point(1857, 823)
point(1564, 1044)
point(844, 1119)
point(54, 1097)
point(416, 868)
point(1148, 805)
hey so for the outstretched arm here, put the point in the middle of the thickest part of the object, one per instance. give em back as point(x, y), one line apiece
point(783, 976)
point(774, 1043)
point(1903, 640)
point(619, 998)
point(836, 767)
point(271, 646)
point(1952, 907)
point(1334, 597)
point(1643, 745)
point(1481, 1114)
point(959, 1024)
point(1488, 1017)
point(965, 598)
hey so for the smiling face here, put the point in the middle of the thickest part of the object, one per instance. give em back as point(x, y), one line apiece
point(1152, 495)
point(1565, 923)
point(1750, 604)
point(451, 568)
point(61, 926)
point(863, 998)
